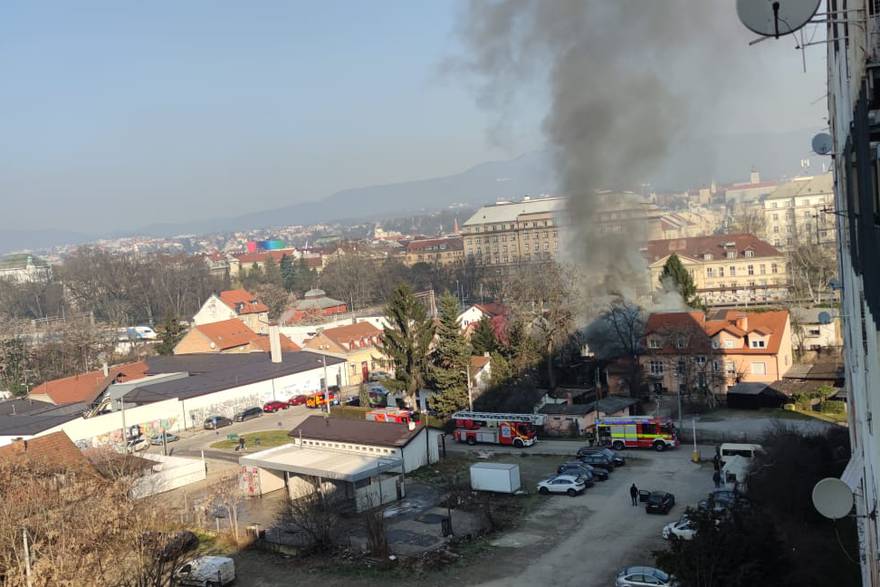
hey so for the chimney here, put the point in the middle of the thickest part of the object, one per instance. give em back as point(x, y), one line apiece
point(275, 343)
point(742, 322)
point(105, 369)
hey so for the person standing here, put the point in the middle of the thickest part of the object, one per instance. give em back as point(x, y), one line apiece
point(634, 494)
point(717, 479)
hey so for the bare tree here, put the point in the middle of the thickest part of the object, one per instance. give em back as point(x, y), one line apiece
point(810, 268)
point(748, 220)
point(226, 495)
point(617, 334)
point(316, 516)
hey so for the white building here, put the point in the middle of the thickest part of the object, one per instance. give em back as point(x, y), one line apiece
point(799, 212)
point(363, 463)
point(853, 82)
point(24, 268)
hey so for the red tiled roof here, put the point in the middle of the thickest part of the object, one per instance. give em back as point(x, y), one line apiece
point(242, 301)
point(345, 334)
point(671, 321)
point(54, 449)
point(770, 324)
point(713, 327)
point(85, 387)
point(492, 309)
point(262, 342)
point(263, 256)
point(478, 363)
point(696, 247)
point(228, 334)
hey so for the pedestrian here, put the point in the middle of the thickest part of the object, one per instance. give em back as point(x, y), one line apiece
point(716, 477)
point(634, 494)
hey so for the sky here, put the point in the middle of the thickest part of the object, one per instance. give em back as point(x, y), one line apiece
point(121, 114)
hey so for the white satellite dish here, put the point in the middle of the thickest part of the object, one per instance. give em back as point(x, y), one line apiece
point(772, 18)
point(822, 143)
point(832, 498)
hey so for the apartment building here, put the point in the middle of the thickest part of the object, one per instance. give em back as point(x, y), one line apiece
point(685, 351)
point(800, 212)
point(445, 251)
point(854, 106)
point(513, 232)
point(24, 268)
point(726, 269)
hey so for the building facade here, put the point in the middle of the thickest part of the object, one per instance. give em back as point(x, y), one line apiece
point(853, 104)
point(234, 303)
point(800, 212)
point(445, 251)
point(685, 351)
point(24, 268)
point(726, 269)
point(358, 343)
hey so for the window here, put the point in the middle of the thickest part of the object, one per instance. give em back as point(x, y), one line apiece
point(774, 268)
point(721, 272)
point(729, 368)
point(759, 368)
point(731, 254)
point(701, 360)
point(751, 269)
point(775, 216)
point(680, 342)
point(715, 344)
point(750, 253)
point(656, 367)
point(707, 257)
point(728, 344)
point(732, 271)
point(757, 344)
point(680, 367)
point(763, 269)
point(716, 366)
point(653, 343)
point(775, 229)
point(710, 272)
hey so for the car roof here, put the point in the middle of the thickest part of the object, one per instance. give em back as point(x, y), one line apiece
point(642, 570)
point(571, 477)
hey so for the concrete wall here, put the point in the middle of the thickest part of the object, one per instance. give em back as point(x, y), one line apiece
point(169, 473)
point(415, 454)
point(380, 491)
point(213, 310)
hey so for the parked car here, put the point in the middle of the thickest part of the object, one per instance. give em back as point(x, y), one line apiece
point(682, 529)
point(206, 570)
point(137, 444)
point(597, 460)
point(379, 375)
point(214, 422)
point(659, 502)
point(298, 400)
point(597, 473)
point(569, 484)
point(274, 406)
point(722, 500)
point(156, 439)
point(616, 458)
point(247, 414)
point(578, 470)
point(643, 577)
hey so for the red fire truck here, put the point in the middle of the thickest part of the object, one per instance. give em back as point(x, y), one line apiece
point(395, 415)
point(637, 432)
point(495, 428)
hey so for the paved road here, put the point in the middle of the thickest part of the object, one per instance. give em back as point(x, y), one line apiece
point(612, 533)
point(569, 448)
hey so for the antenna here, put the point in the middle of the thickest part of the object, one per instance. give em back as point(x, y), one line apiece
point(832, 498)
point(822, 143)
point(772, 18)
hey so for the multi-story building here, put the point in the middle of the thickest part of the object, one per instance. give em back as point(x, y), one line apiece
point(726, 269)
point(513, 232)
point(234, 303)
point(751, 191)
point(854, 107)
point(799, 212)
point(444, 251)
point(358, 343)
point(686, 352)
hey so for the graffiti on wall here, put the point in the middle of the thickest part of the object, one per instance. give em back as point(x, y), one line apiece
point(115, 440)
point(226, 408)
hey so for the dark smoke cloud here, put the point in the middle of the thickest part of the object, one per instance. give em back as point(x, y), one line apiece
point(625, 79)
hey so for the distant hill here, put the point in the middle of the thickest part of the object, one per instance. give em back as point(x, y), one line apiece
point(724, 159)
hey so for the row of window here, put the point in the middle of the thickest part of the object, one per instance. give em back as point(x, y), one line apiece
point(350, 447)
point(756, 367)
point(514, 226)
point(750, 270)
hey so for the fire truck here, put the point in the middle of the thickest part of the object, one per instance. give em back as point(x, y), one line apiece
point(637, 432)
point(316, 400)
point(395, 415)
point(495, 428)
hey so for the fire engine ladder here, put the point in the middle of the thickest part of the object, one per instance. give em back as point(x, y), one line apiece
point(536, 419)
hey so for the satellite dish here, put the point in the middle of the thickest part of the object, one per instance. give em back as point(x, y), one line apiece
point(772, 18)
point(824, 318)
point(832, 498)
point(822, 144)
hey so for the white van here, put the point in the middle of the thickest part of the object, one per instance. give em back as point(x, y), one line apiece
point(746, 451)
point(206, 571)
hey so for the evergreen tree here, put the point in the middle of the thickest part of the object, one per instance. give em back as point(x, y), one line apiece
point(306, 278)
point(521, 351)
point(288, 272)
point(483, 339)
point(271, 272)
point(170, 333)
point(676, 278)
point(449, 360)
point(406, 342)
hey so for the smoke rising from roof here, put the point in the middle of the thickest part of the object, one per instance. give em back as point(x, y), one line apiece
point(625, 79)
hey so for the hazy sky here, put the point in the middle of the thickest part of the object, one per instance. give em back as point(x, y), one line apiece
point(119, 114)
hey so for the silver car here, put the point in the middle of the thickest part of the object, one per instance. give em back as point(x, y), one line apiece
point(570, 484)
point(644, 577)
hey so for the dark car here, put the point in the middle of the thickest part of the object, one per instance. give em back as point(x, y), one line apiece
point(597, 460)
point(616, 458)
point(214, 422)
point(598, 473)
point(578, 470)
point(659, 502)
point(247, 414)
point(275, 406)
point(723, 500)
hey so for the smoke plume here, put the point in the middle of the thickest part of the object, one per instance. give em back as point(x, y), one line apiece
point(624, 81)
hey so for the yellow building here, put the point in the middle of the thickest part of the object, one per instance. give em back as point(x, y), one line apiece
point(358, 343)
point(445, 251)
point(726, 269)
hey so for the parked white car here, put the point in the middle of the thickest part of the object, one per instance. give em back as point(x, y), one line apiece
point(137, 444)
point(643, 577)
point(206, 571)
point(562, 484)
point(682, 529)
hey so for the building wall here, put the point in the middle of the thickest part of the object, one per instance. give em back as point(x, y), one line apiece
point(169, 473)
point(258, 322)
point(799, 218)
point(416, 454)
point(213, 310)
point(728, 281)
point(532, 237)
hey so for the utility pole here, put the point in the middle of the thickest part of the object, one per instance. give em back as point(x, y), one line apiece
point(326, 393)
point(470, 392)
point(124, 430)
point(27, 558)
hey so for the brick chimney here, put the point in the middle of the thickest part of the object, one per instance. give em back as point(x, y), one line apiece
point(742, 322)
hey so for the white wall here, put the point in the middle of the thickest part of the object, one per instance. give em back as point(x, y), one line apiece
point(169, 473)
point(213, 310)
point(106, 429)
point(415, 454)
point(470, 316)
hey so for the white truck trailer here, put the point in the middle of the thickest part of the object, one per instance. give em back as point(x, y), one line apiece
point(495, 477)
